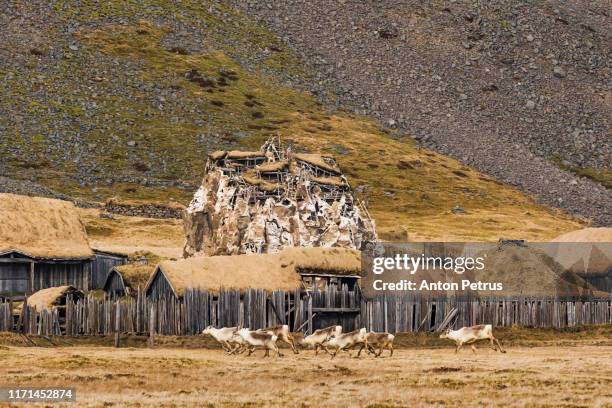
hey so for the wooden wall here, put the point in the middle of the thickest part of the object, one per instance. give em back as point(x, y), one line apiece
point(256, 308)
point(601, 281)
point(14, 279)
point(114, 286)
point(102, 265)
point(20, 275)
point(77, 274)
point(15, 274)
point(160, 287)
point(419, 313)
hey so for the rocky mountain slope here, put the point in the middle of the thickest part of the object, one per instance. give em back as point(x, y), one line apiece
point(124, 99)
point(521, 91)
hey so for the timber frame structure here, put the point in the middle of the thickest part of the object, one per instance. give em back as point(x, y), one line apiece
point(21, 274)
point(267, 200)
point(43, 244)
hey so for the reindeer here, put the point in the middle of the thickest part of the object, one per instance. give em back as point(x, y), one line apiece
point(380, 340)
point(346, 341)
point(259, 339)
point(470, 335)
point(226, 337)
point(318, 338)
point(238, 341)
point(283, 334)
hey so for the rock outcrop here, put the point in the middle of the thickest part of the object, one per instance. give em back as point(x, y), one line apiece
point(517, 90)
point(267, 200)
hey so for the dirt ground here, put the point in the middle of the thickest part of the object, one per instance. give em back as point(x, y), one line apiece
point(576, 375)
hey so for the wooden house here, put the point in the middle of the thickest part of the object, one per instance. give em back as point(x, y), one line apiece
point(43, 244)
point(294, 268)
point(124, 280)
point(53, 298)
point(300, 272)
point(103, 264)
point(47, 308)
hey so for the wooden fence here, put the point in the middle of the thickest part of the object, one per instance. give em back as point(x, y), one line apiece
point(413, 313)
point(303, 311)
point(6, 316)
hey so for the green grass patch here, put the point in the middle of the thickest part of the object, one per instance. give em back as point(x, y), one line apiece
point(602, 176)
point(140, 115)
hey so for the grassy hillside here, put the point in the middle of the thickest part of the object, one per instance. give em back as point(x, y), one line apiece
point(128, 103)
point(129, 235)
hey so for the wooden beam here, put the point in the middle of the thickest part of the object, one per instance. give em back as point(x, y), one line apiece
point(310, 316)
point(329, 275)
point(117, 322)
point(31, 288)
point(291, 309)
point(278, 316)
point(305, 323)
point(15, 260)
point(448, 319)
point(336, 309)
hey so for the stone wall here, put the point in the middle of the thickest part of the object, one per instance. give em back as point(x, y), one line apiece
point(144, 210)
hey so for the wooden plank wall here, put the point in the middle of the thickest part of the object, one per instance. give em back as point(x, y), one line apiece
point(102, 265)
point(414, 313)
point(329, 306)
point(77, 274)
point(114, 285)
point(255, 308)
point(6, 316)
point(14, 279)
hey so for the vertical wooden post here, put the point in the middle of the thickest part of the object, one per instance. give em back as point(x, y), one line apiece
point(10, 321)
point(31, 288)
point(24, 315)
point(152, 326)
point(309, 314)
point(117, 322)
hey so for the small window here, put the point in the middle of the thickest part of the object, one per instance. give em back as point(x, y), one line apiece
point(307, 281)
point(320, 282)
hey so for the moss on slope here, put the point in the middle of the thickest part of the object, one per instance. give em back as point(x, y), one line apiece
point(139, 112)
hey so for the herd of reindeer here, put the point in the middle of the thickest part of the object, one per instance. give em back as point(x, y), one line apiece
point(237, 340)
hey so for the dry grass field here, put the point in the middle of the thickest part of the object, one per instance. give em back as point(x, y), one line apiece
point(128, 235)
point(576, 374)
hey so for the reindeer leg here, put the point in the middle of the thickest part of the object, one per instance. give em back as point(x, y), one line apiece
point(458, 347)
point(499, 345)
point(226, 346)
point(473, 348)
point(238, 349)
point(334, 353)
point(231, 349)
point(291, 342)
point(391, 348)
